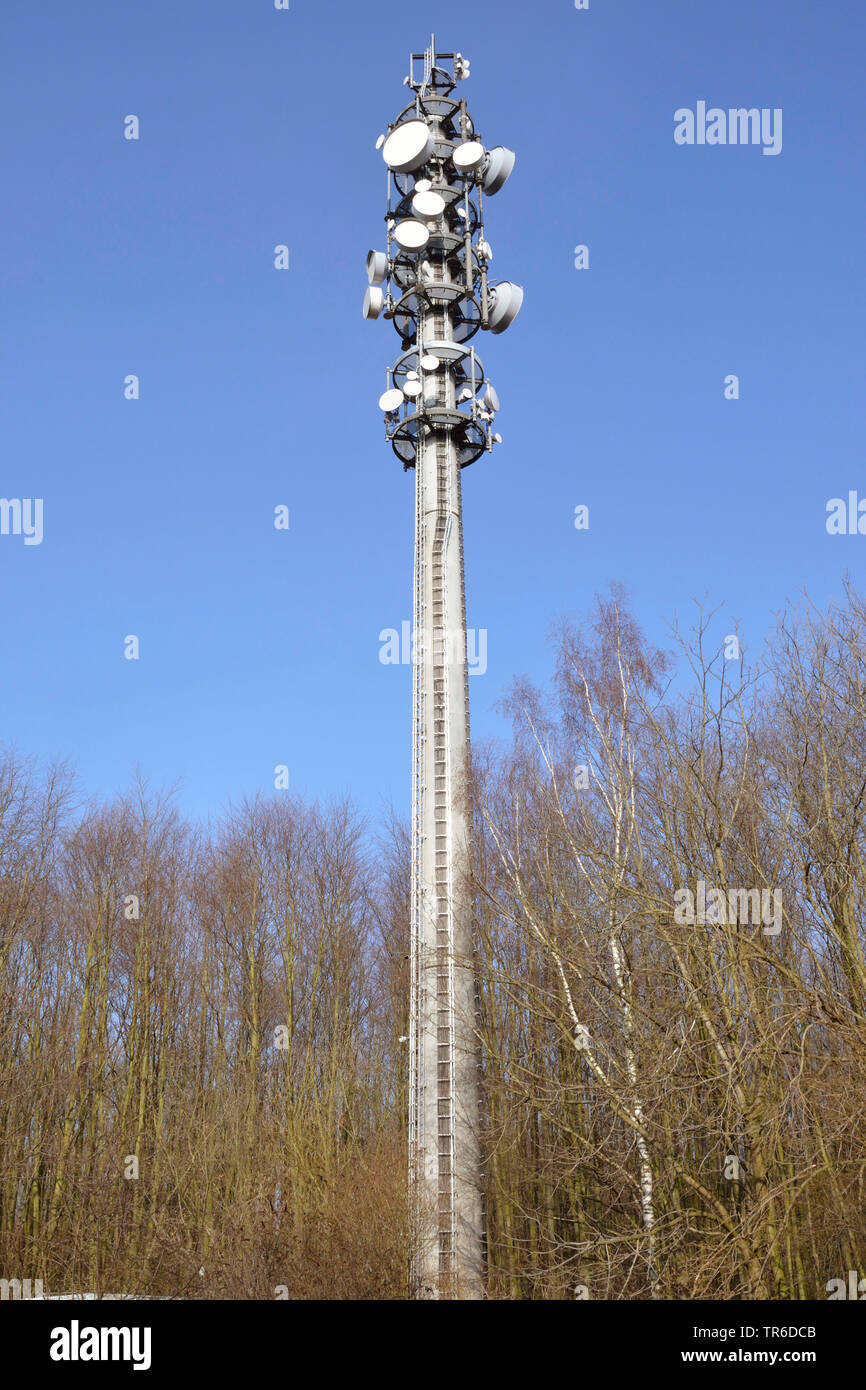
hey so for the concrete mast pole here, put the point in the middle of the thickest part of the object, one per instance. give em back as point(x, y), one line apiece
point(439, 409)
point(446, 1172)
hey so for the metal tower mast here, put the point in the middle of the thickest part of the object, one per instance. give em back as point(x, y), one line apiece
point(439, 408)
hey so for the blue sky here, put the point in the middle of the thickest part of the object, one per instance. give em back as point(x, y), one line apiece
point(260, 387)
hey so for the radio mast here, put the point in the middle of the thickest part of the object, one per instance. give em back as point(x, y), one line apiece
point(433, 283)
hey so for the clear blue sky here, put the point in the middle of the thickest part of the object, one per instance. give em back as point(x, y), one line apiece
point(260, 387)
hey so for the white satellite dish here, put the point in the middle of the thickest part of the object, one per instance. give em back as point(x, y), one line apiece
point(412, 389)
point(423, 185)
point(429, 363)
point(507, 300)
point(491, 398)
point(391, 400)
point(411, 376)
point(374, 302)
point(497, 438)
point(412, 236)
point(465, 393)
point(500, 163)
point(428, 205)
point(380, 142)
point(468, 157)
point(377, 267)
point(484, 250)
point(408, 146)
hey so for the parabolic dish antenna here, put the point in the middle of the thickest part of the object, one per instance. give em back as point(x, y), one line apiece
point(468, 157)
point(380, 142)
point(412, 236)
point(429, 363)
point(499, 166)
point(412, 389)
point(408, 146)
point(428, 205)
point(507, 299)
point(377, 267)
point(491, 398)
point(423, 185)
point(391, 400)
point(374, 302)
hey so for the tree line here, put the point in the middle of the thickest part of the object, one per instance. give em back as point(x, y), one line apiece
point(203, 1031)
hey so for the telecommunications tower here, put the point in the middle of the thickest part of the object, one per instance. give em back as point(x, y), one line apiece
point(432, 282)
